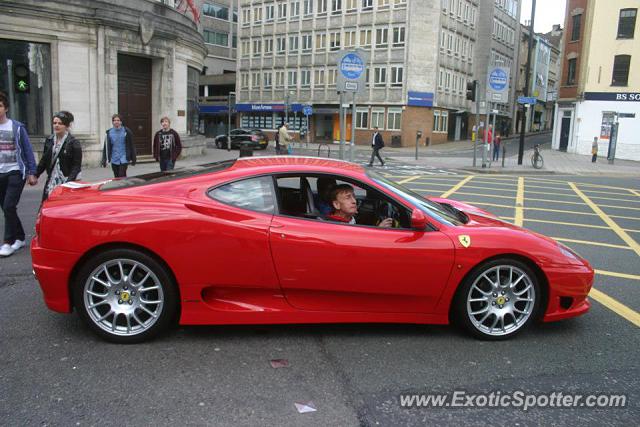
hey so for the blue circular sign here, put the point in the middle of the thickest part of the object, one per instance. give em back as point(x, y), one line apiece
point(351, 66)
point(307, 110)
point(498, 79)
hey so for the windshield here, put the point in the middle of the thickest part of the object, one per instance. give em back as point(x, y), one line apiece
point(433, 209)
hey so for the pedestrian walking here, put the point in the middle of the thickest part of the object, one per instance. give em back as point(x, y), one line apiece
point(118, 148)
point(166, 145)
point(17, 166)
point(594, 150)
point(284, 137)
point(62, 156)
point(496, 147)
point(377, 143)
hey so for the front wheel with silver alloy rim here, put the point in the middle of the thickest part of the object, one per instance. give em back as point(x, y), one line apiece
point(125, 295)
point(498, 299)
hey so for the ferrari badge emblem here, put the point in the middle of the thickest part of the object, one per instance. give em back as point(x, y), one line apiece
point(465, 240)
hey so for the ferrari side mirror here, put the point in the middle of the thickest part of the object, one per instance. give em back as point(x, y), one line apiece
point(418, 220)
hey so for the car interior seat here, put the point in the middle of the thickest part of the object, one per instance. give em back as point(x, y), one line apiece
point(307, 197)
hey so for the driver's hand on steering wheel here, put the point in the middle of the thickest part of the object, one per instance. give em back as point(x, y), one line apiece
point(386, 223)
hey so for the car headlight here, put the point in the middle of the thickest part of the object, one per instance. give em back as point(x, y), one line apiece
point(569, 253)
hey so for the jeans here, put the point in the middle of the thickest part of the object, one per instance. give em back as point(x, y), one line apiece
point(496, 152)
point(119, 171)
point(376, 153)
point(11, 185)
point(166, 165)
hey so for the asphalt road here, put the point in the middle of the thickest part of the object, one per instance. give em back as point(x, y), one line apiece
point(56, 372)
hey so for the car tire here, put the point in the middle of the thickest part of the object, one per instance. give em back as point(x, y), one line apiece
point(125, 296)
point(497, 300)
point(218, 144)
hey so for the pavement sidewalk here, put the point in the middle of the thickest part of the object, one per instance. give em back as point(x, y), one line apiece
point(437, 156)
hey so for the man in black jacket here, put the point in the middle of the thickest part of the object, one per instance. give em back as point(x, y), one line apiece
point(118, 148)
point(377, 143)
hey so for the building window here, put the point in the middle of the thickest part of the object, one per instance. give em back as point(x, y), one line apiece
point(215, 11)
point(282, 11)
point(257, 14)
point(352, 5)
point(362, 118)
point(321, 42)
point(245, 48)
point(307, 7)
point(270, 12)
point(293, 79)
point(267, 80)
point(214, 37)
point(257, 47)
point(365, 38)
point(318, 78)
point(621, 66)
point(571, 71)
point(440, 121)
point(398, 36)
point(336, 7)
point(244, 80)
point(268, 47)
point(575, 27)
point(394, 119)
point(349, 38)
point(380, 76)
point(30, 102)
point(627, 23)
point(295, 9)
point(367, 4)
point(193, 118)
point(383, 4)
point(331, 77)
point(255, 80)
point(322, 6)
point(382, 37)
point(246, 17)
point(306, 43)
point(293, 44)
point(279, 78)
point(305, 78)
point(334, 41)
point(377, 118)
point(397, 76)
point(281, 44)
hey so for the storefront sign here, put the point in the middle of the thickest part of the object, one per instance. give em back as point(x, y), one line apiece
point(267, 107)
point(607, 96)
point(420, 99)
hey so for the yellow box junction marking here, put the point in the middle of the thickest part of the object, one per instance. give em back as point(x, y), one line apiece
point(588, 242)
point(635, 192)
point(456, 187)
point(619, 275)
point(411, 178)
point(611, 223)
point(519, 215)
point(615, 306)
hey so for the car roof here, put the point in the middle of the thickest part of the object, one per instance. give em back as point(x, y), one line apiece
point(298, 162)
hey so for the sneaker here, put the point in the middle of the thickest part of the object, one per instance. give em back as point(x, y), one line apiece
point(6, 250)
point(18, 244)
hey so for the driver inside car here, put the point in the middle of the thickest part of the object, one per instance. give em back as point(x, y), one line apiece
point(345, 206)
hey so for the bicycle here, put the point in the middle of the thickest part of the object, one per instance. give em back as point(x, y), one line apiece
point(536, 158)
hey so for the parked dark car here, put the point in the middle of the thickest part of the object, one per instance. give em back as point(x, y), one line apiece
point(254, 137)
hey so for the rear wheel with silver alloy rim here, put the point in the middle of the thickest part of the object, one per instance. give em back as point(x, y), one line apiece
point(125, 295)
point(498, 299)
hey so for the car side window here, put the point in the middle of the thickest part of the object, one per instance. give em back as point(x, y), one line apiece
point(255, 194)
point(307, 196)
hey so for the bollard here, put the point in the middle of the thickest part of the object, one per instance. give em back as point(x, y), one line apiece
point(504, 153)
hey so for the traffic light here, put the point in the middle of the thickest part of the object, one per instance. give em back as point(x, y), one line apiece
point(471, 90)
point(21, 78)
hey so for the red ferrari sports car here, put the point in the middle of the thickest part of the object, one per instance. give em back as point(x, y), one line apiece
point(246, 242)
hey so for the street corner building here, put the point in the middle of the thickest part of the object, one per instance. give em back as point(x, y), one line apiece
point(420, 56)
point(599, 93)
point(139, 58)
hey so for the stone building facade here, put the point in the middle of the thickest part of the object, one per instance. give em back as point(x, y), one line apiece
point(139, 58)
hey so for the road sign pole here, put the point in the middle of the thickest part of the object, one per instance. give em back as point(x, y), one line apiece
point(342, 125)
point(493, 138)
point(487, 105)
point(475, 141)
point(353, 128)
point(527, 78)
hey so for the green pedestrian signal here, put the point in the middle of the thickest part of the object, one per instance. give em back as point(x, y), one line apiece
point(21, 77)
point(22, 85)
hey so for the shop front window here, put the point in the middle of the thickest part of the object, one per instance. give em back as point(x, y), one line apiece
point(25, 76)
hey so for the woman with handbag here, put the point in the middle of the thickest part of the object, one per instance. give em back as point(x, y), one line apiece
point(62, 156)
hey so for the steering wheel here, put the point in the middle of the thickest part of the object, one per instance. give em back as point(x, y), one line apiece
point(387, 210)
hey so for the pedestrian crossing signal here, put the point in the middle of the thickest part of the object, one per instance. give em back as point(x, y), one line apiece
point(21, 78)
point(471, 90)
